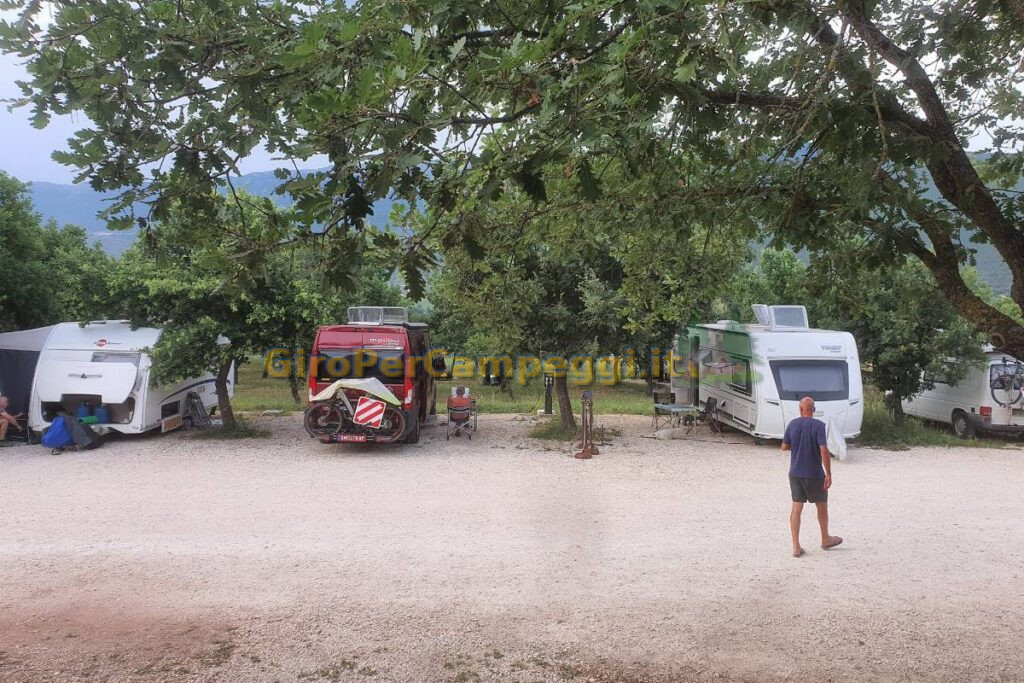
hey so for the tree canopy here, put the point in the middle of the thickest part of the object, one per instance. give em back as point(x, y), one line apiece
point(48, 274)
point(815, 119)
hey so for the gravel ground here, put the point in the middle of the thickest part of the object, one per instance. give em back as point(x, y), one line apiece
point(503, 558)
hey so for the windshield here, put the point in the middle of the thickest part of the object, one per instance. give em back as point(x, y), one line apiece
point(387, 365)
point(822, 380)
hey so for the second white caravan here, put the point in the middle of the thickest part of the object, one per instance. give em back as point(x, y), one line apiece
point(758, 373)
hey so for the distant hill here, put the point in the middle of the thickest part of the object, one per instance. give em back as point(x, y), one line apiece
point(79, 205)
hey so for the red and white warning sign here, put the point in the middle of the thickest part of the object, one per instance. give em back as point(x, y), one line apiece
point(369, 411)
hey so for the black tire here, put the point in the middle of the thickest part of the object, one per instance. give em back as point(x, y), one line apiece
point(962, 426)
point(413, 435)
point(322, 419)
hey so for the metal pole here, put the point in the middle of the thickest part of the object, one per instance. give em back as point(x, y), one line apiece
point(549, 382)
point(587, 448)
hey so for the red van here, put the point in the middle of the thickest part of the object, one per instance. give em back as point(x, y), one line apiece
point(379, 342)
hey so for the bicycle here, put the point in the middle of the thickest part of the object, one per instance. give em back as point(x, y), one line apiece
point(331, 421)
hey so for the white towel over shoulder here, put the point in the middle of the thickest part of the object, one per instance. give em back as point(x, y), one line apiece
point(834, 439)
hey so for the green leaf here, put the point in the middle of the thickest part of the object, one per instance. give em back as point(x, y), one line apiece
point(588, 183)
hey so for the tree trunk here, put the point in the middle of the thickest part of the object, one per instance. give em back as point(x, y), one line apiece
point(294, 379)
point(565, 404)
point(895, 405)
point(506, 386)
point(227, 415)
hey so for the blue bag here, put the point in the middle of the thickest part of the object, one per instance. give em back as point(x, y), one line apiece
point(57, 436)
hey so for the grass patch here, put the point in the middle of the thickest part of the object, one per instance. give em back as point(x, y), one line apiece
point(242, 430)
point(880, 430)
point(255, 393)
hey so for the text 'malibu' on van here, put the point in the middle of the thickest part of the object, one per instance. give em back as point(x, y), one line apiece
point(758, 373)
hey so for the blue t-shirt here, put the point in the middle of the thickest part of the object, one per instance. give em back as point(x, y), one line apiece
point(805, 437)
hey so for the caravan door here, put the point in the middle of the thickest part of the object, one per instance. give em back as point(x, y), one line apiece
point(112, 382)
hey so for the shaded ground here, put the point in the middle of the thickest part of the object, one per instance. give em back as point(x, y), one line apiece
point(502, 559)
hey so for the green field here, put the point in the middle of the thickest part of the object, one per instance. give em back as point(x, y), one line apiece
point(255, 393)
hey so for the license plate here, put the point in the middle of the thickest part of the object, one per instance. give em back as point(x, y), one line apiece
point(349, 438)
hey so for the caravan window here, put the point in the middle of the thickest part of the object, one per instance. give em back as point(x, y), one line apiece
point(718, 367)
point(822, 380)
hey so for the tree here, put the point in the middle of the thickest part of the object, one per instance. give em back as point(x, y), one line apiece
point(231, 293)
point(571, 276)
point(48, 274)
point(819, 119)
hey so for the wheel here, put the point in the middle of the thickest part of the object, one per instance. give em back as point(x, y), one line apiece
point(392, 427)
point(962, 427)
point(413, 436)
point(322, 419)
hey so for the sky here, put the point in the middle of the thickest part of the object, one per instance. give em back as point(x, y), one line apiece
point(25, 151)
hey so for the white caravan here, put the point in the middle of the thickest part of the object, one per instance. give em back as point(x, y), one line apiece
point(987, 399)
point(105, 363)
point(758, 373)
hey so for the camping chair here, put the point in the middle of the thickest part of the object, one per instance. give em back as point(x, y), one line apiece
point(461, 415)
point(662, 414)
point(23, 435)
point(707, 417)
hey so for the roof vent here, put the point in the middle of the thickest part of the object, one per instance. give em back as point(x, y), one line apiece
point(377, 315)
point(761, 312)
point(788, 318)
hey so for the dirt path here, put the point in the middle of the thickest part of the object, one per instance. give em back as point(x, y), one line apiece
point(502, 559)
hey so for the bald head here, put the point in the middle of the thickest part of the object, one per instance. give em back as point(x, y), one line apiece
point(807, 407)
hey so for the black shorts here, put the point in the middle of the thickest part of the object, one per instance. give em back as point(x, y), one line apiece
point(807, 490)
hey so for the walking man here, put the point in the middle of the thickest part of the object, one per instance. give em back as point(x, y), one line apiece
point(810, 472)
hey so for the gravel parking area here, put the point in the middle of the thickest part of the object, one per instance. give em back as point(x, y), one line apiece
point(502, 558)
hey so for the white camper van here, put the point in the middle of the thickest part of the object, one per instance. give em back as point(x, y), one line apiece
point(105, 364)
point(758, 373)
point(988, 399)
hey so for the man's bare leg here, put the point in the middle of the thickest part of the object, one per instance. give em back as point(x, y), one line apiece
point(3, 429)
point(794, 528)
point(826, 540)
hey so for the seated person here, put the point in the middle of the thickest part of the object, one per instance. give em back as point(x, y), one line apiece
point(6, 419)
point(461, 403)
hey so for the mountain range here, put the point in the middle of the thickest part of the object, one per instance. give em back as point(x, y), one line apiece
point(80, 204)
